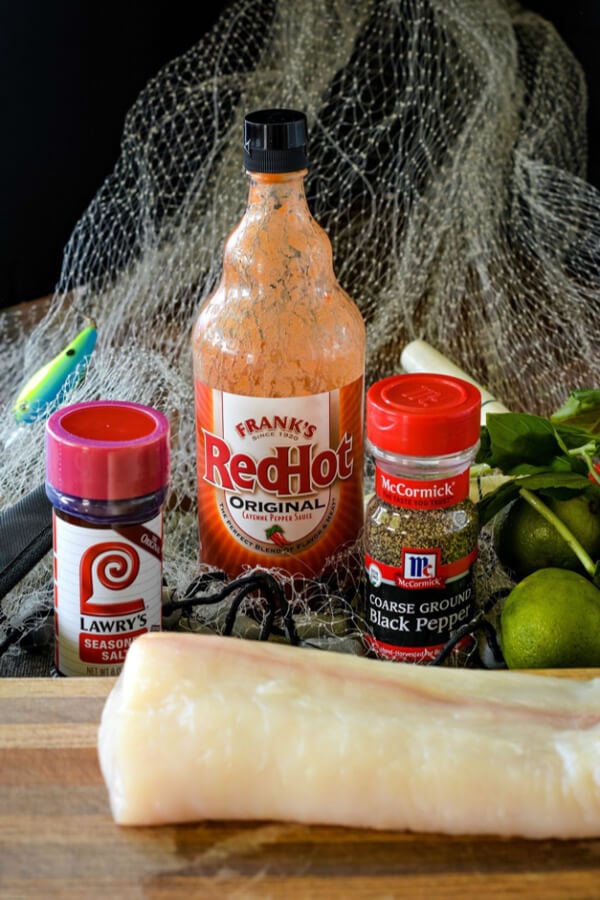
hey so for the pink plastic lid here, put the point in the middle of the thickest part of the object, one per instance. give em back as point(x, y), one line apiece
point(107, 450)
point(423, 414)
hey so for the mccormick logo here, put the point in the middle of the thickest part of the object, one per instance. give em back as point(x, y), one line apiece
point(436, 490)
point(419, 569)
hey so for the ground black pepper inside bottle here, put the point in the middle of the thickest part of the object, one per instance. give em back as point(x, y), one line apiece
point(421, 528)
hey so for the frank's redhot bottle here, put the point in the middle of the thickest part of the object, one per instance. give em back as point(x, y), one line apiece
point(279, 351)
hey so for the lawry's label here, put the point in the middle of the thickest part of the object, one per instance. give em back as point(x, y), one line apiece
point(279, 479)
point(107, 591)
point(421, 493)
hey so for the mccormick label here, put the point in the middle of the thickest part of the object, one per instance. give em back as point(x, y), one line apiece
point(107, 591)
point(412, 609)
point(279, 479)
point(414, 602)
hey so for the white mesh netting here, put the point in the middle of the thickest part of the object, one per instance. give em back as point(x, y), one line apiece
point(447, 147)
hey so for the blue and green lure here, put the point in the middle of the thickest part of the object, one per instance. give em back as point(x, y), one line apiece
point(50, 383)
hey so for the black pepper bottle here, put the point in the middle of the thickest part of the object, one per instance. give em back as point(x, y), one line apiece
point(421, 527)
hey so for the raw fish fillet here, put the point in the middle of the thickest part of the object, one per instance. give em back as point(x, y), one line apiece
point(205, 727)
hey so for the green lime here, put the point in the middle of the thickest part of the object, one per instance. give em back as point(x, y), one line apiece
point(525, 541)
point(550, 620)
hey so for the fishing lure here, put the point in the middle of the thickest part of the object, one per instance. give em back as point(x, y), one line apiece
point(62, 372)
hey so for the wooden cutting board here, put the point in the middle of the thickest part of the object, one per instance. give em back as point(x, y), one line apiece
point(57, 838)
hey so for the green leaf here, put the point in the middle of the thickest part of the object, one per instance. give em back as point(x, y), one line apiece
point(517, 438)
point(492, 503)
point(559, 485)
point(484, 450)
point(596, 575)
point(574, 436)
point(546, 481)
point(582, 409)
point(559, 464)
point(568, 464)
point(527, 469)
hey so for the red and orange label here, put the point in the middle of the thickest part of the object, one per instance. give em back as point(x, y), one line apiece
point(279, 478)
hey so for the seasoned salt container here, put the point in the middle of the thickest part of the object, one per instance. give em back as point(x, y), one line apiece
point(107, 472)
point(421, 527)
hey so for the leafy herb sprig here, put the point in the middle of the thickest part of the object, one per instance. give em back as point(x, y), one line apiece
point(544, 457)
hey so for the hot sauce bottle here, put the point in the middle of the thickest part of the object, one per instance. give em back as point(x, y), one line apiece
point(279, 353)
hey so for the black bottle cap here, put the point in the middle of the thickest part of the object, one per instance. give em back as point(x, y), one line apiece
point(275, 141)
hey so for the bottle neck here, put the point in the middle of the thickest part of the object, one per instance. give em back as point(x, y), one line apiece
point(278, 235)
point(277, 192)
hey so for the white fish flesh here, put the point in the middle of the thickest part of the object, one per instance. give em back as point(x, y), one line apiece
point(204, 727)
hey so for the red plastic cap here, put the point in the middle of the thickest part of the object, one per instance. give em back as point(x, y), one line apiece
point(107, 450)
point(423, 414)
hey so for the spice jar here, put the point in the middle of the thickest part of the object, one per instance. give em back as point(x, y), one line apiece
point(421, 527)
point(107, 470)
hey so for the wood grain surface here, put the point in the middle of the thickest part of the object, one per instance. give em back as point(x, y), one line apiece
point(57, 837)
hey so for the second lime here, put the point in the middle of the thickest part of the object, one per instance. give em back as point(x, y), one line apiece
point(525, 541)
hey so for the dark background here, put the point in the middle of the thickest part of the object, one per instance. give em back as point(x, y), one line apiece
point(70, 71)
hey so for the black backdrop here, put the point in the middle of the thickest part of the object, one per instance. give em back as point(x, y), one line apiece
point(70, 71)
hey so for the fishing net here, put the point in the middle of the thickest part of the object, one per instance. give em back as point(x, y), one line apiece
point(448, 155)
